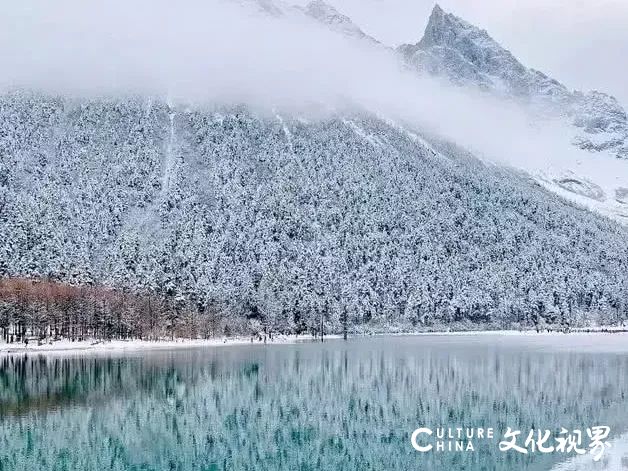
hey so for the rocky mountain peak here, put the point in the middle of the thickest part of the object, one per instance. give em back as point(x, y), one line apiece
point(443, 27)
point(468, 56)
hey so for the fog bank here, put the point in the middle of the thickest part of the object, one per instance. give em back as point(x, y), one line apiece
point(223, 52)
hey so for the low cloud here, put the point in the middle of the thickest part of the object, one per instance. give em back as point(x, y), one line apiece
point(221, 52)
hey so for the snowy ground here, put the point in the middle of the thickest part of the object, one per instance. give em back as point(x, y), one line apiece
point(66, 346)
point(606, 339)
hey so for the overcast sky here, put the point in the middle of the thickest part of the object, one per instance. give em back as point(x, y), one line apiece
point(583, 43)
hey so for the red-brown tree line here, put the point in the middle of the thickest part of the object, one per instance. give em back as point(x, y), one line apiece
point(43, 310)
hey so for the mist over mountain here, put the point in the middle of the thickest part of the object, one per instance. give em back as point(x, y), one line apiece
point(466, 56)
point(257, 164)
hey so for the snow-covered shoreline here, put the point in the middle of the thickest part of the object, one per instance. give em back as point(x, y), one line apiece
point(117, 346)
point(112, 346)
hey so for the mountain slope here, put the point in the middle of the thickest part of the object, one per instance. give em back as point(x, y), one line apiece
point(279, 219)
point(326, 14)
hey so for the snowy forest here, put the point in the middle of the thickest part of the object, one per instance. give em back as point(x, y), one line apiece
point(138, 218)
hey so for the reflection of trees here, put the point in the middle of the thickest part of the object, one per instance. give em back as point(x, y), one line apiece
point(33, 384)
point(302, 408)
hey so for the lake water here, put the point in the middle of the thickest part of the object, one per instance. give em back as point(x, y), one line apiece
point(333, 406)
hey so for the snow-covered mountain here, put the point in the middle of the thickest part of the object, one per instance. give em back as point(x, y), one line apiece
point(279, 218)
point(328, 15)
point(467, 55)
point(318, 10)
point(273, 214)
point(592, 171)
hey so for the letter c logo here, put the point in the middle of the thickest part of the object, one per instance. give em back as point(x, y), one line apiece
point(415, 435)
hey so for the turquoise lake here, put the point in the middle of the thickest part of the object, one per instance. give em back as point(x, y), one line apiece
point(307, 406)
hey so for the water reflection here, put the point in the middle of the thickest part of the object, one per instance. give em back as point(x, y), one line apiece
point(308, 407)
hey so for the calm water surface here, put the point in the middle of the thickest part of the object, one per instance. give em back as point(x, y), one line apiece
point(335, 406)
